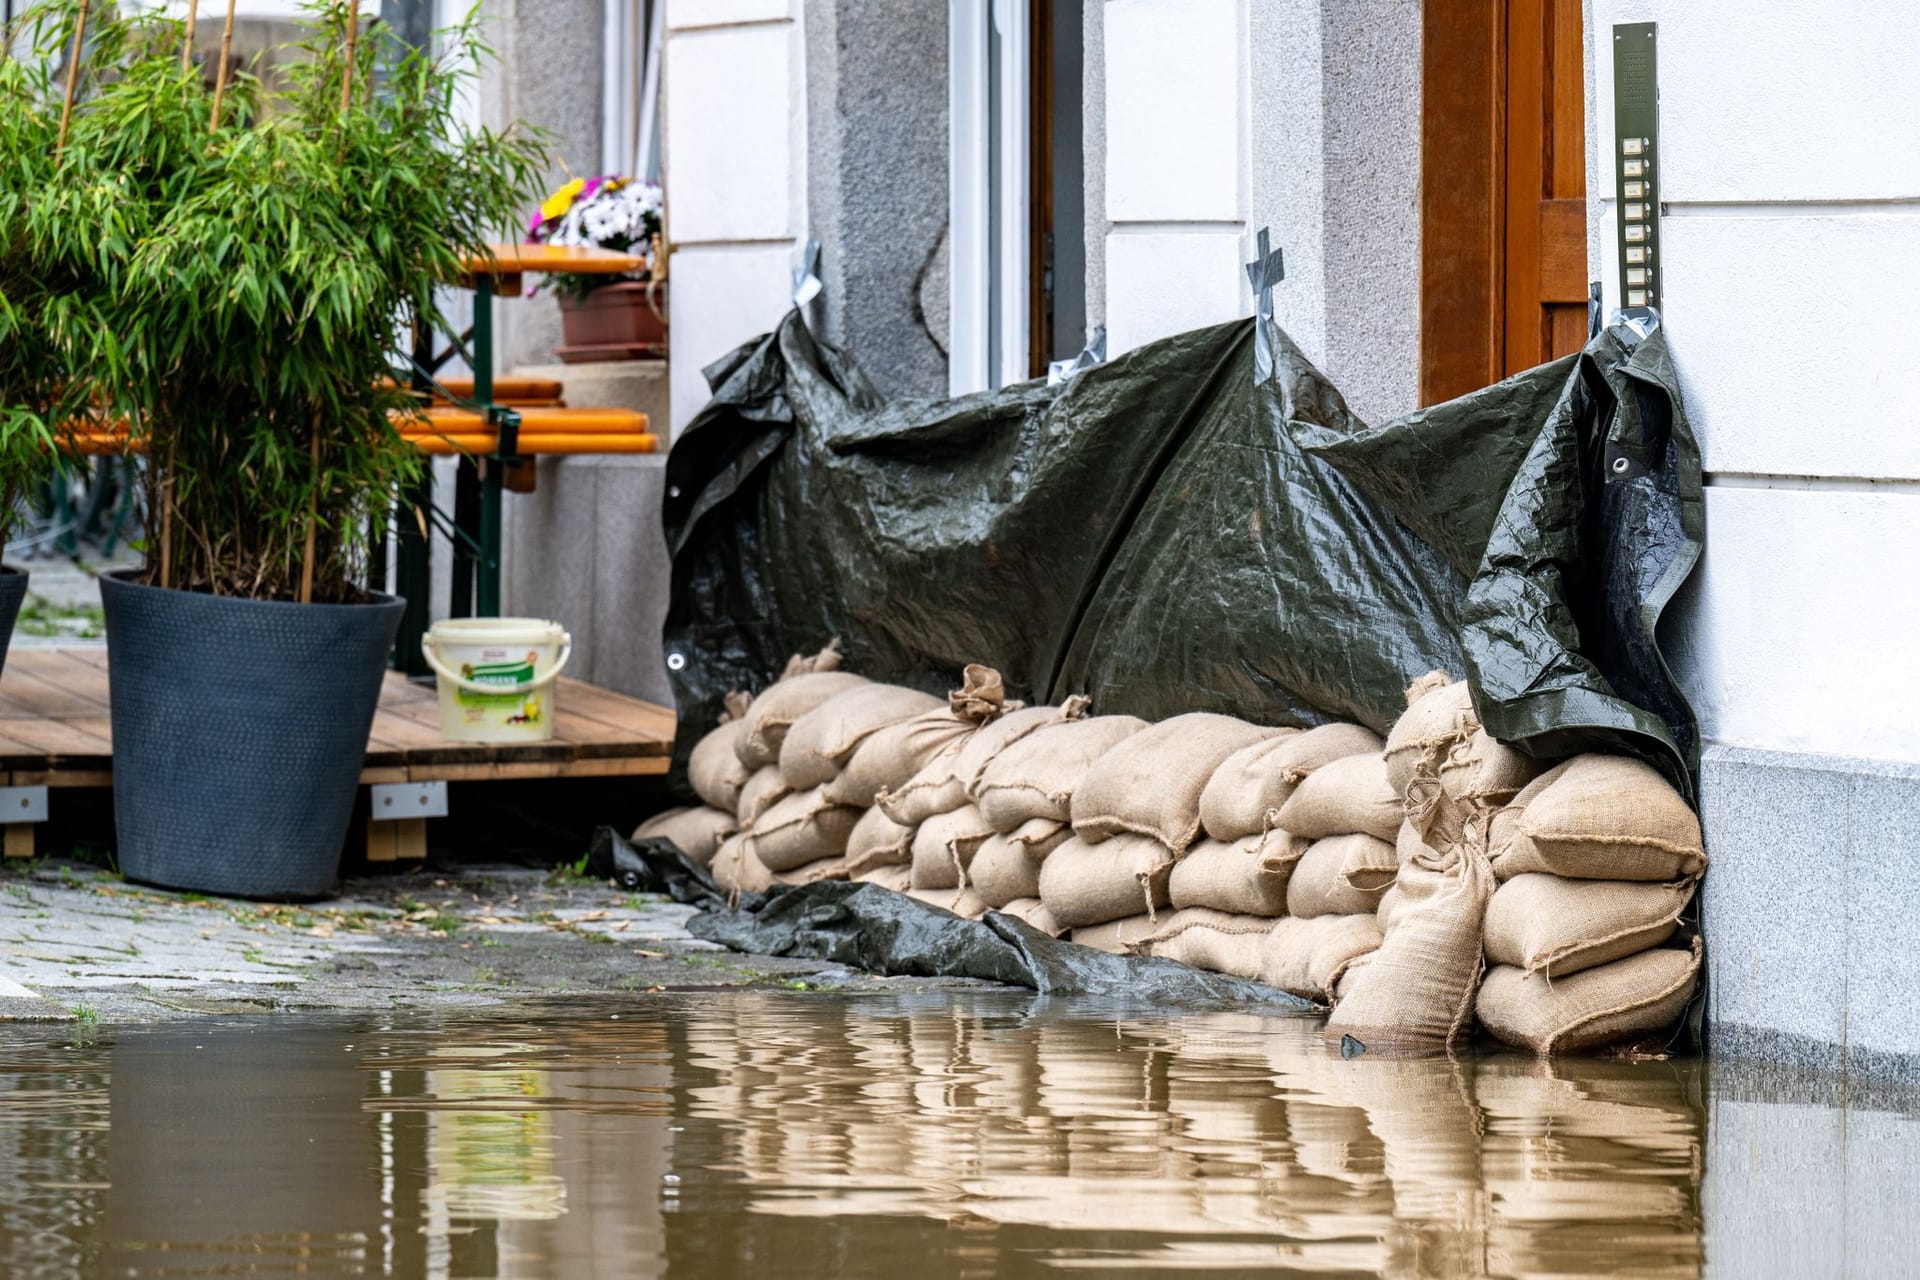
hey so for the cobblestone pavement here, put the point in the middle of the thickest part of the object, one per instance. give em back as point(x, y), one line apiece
point(78, 943)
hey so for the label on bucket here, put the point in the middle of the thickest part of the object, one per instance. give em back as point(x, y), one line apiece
point(511, 675)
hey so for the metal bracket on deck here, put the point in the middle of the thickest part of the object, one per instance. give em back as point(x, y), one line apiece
point(395, 801)
point(20, 809)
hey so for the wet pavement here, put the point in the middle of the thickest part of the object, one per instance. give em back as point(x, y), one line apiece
point(773, 1133)
point(78, 944)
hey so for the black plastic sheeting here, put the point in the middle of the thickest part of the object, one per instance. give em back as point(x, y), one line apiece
point(1165, 535)
point(874, 929)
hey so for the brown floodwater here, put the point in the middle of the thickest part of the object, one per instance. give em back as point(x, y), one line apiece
point(773, 1134)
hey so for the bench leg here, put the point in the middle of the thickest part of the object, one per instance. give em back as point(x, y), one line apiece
point(394, 841)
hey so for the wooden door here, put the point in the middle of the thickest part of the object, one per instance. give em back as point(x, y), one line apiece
point(1503, 273)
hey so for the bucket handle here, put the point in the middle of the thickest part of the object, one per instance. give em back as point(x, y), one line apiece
point(446, 673)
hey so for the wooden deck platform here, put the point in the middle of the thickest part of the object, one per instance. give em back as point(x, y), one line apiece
point(56, 730)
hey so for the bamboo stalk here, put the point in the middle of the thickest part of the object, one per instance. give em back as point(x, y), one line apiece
point(220, 75)
point(186, 46)
point(73, 73)
point(310, 552)
point(166, 519)
point(353, 36)
point(313, 523)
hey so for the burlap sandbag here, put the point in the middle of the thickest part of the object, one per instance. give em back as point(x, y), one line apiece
point(1484, 773)
point(736, 870)
point(878, 841)
point(945, 783)
point(1417, 990)
point(944, 847)
point(1319, 887)
point(764, 788)
point(1007, 864)
point(1115, 937)
point(1085, 884)
point(1248, 790)
point(1439, 715)
point(889, 757)
point(898, 878)
point(1640, 996)
point(805, 827)
point(962, 902)
point(714, 769)
point(696, 832)
point(1035, 913)
point(1371, 866)
point(1559, 927)
point(820, 742)
point(774, 711)
point(1002, 871)
point(1037, 776)
point(1217, 941)
point(1151, 783)
point(1244, 795)
point(1341, 797)
point(1388, 908)
point(1602, 818)
point(815, 872)
point(1308, 957)
point(1246, 877)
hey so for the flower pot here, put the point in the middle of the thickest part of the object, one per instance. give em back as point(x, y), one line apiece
point(239, 732)
point(13, 592)
point(625, 321)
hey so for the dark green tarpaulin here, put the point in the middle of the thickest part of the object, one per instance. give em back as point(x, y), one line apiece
point(1165, 535)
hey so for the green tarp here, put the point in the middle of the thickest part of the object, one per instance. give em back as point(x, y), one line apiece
point(1166, 535)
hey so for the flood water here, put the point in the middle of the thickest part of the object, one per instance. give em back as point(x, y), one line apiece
point(773, 1134)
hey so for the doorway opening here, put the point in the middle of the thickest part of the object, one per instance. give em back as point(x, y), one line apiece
point(1503, 214)
point(1017, 187)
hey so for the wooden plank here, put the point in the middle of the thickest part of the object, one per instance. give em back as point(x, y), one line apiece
point(72, 778)
point(55, 730)
point(19, 840)
point(30, 694)
point(617, 710)
point(1461, 196)
point(1562, 237)
point(383, 844)
point(81, 742)
point(1524, 343)
point(611, 767)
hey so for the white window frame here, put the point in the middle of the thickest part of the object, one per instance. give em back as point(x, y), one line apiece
point(987, 299)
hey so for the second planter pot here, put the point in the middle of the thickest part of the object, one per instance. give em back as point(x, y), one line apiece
point(239, 733)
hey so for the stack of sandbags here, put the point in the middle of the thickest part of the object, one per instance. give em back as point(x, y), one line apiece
point(1596, 859)
point(1025, 794)
point(803, 837)
point(1417, 989)
point(717, 777)
point(938, 803)
point(880, 850)
point(1339, 817)
point(1135, 811)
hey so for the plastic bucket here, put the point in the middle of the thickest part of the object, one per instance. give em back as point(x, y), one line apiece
point(496, 676)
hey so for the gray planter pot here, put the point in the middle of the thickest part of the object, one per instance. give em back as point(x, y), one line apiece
point(239, 732)
point(13, 593)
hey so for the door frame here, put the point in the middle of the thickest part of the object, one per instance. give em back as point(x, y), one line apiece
point(1501, 238)
point(989, 54)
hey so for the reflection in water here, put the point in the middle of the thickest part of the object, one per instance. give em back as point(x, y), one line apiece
point(763, 1134)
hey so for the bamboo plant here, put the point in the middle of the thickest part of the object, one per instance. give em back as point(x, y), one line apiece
point(31, 380)
point(239, 268)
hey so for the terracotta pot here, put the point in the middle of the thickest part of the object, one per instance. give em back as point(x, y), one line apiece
point(625, 321)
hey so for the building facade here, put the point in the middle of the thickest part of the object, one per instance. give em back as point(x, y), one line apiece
point(992, 182)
